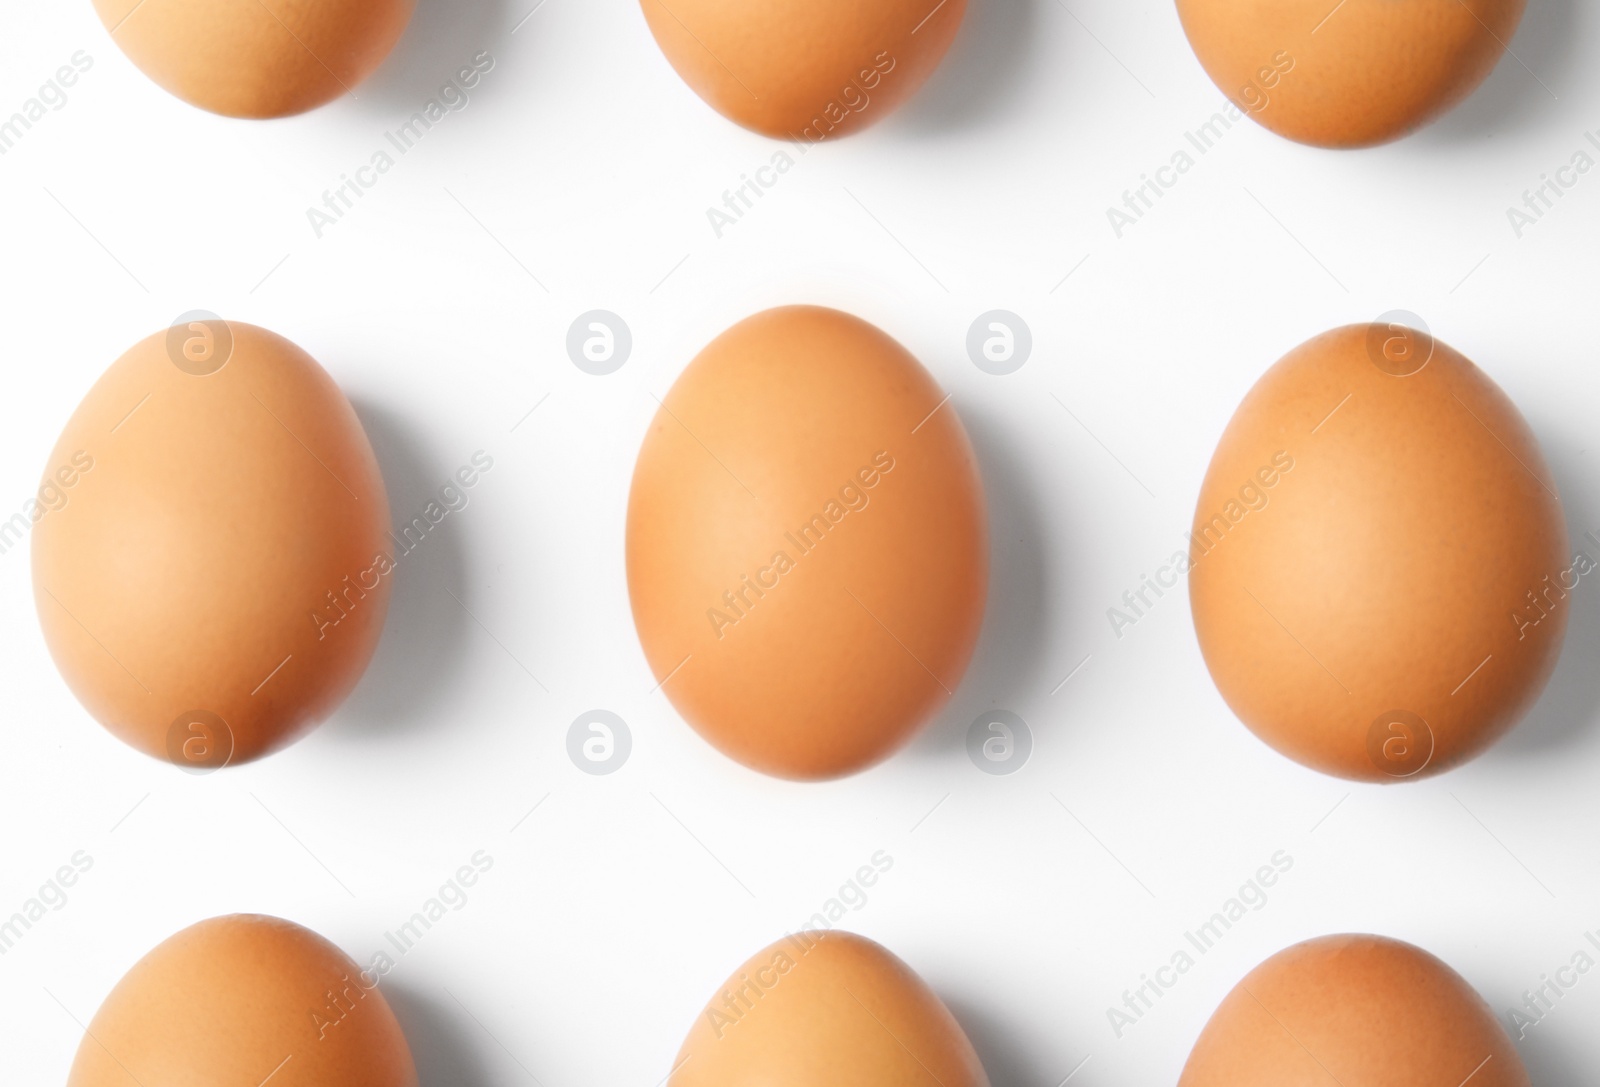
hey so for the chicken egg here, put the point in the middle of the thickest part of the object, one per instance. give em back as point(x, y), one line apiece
point(210, 560)
point(804, 69)
point(1347, 74)
point(1379, 565)
point(256, 58)
point(1353, 1010)
point(826, 1009)
point(249, 1000)
point(806, 544)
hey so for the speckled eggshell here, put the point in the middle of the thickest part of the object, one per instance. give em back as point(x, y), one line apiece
point(1362, 1011)
point(826, 1010)
point(804, 69)
point(256, 58)
point(214, 580)
point(806, 544)
point(1347, 74)
point(244, 1000)
point(1381, 571)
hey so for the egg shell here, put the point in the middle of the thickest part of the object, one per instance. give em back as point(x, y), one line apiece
point(1362, 1011)
point(1348, 74)
point(804, 69)
point(1366, 550)
point(244, 999)
point(826, 1009)
point(806, 545)
point(183, 586)
point(256, 58)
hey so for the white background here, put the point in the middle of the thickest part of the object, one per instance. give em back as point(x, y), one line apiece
point(1029, 902)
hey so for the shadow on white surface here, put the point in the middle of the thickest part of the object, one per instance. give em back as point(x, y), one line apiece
point(999, 1047)
point(984, 68)
point(1569, 710)
point(1551, 1063)
point(1010, 662)
point(445, 1043)
point(443, 37)
point(425, 637)
point(1544, 58)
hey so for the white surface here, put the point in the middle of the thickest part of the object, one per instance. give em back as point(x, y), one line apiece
point(585, 953)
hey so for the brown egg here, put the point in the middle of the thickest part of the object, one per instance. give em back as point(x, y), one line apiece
point(826, 1009)
point(211, 562)
point(256, 58)
point(804, 69)
point(1380, 564)
point(807, 549)
point(244, 1000)
point(1348, 74)
point(1362, 1011)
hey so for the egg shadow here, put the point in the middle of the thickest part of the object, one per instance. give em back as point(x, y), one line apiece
point(443, 37)
point(425, 636)
point(444, 1043)
point(1009, 658)
point(1551, 1063)
point(983, 69)
point(1001, 1050)
point(1569, 709)
point(1545, 51)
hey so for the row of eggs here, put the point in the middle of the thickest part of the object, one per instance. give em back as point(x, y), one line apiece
point(1335, 73)
point(249, 999)
point(1377, 567)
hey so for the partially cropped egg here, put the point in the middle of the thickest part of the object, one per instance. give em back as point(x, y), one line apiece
point(826, 1009)
point(1353, 1010)
point(807, 549)
point(211, 561)
point(804, 69)
point(245, 1000)
point(1380, 568)
point(256, 58)
point(1350, 73)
